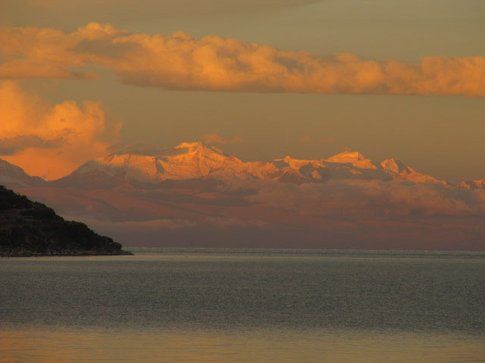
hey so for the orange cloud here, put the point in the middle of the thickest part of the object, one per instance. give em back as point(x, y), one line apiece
point(372, 199)
point(27, 52)
point(182, 62)
point(51, 140)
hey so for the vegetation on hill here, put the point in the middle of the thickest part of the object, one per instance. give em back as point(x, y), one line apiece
point(32, 229)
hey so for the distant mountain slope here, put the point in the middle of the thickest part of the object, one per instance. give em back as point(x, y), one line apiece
point(29, 228)
point(473, 184)
point(14, 177)
point(197, 195)
point(194, 160)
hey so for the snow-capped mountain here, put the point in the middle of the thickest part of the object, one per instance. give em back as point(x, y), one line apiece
point(473, 184)
point(185, 161)
point(195, 160)
point(197, 195)
point(400, 171)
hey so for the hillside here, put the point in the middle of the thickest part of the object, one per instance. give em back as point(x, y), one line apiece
point(31, 229)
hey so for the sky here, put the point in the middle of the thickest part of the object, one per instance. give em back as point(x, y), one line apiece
point(307, 78)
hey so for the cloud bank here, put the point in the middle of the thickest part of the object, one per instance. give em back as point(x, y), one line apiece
point(51, 140)
point(213, 63)
point(368, 214)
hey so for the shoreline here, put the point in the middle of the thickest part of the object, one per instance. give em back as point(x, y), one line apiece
point(66, 254)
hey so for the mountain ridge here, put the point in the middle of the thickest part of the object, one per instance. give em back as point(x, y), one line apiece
point(15, 176)
point(197, 195)
point(195, 160)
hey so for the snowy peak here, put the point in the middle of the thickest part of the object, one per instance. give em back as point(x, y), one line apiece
point(297, 164)
point(354, 158)
point(473, 184)
point(196, 160)
point(398, 170)
point(198, 150)
point(298, 170)
point(393, 165)
point(197, 147)
point(188, 160)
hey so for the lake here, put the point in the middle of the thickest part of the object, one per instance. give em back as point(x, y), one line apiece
point(222, 305)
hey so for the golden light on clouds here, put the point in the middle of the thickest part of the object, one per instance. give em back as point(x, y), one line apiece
point(179, 61)
point(51, 140)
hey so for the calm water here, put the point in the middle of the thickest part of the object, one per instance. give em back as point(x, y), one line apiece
point(223, 306)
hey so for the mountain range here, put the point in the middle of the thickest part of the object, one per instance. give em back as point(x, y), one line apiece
point(197, 195)
point(195, 160)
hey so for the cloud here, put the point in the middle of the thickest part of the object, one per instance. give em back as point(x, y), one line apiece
point(51, 140)
point(361, 199)
point(342, 213)
point(13, 145)
point(39, 53)
point(212, 63)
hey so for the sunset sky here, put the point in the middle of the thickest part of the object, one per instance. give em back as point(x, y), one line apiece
point(266, 78)
point(242, 180)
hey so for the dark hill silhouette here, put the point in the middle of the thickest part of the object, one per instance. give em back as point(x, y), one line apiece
point(32, 229)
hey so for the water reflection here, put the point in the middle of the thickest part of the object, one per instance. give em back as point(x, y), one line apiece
point(255, 306)
point(83, 345)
